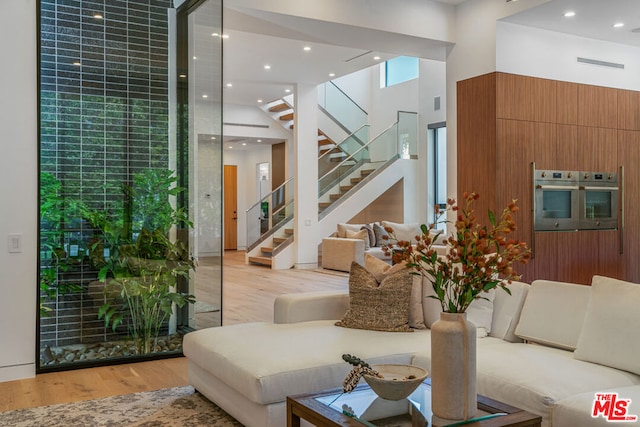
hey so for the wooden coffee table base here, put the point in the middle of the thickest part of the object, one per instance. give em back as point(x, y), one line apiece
point(308, 407)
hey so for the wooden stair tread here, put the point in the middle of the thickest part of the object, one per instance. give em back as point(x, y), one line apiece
point(278, 240)
point(324, 204)
point(260, 260)
point(288, 231)
point(356, 180)
point(345, 188)
point(279, 107)
point(266, 250)
point(286, 117)
point(366, 172)
point(334, 196)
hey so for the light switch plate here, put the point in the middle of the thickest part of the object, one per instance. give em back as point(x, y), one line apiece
point(15, 243)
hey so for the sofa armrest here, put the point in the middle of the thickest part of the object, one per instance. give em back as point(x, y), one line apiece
point(338, 253)
point(306, 306)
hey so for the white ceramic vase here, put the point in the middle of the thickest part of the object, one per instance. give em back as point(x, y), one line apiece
point(453, 367)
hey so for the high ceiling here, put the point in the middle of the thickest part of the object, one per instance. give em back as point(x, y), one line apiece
point(258, 40)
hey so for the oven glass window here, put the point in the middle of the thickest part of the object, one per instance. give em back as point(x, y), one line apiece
point(556, 204)
point(598, 204)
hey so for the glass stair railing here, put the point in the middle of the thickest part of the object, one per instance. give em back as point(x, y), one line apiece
point(269, 215)
point(339, 106)
point(398, 140)
point(349, 146)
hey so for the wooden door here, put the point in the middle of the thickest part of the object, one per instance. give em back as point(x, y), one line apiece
point(230, 203)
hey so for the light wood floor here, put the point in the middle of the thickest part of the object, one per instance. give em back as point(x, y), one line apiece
point(248, 295)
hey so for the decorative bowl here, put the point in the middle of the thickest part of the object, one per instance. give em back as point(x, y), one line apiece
point(399, 380)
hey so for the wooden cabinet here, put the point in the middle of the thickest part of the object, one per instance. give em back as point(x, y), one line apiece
point(629, 155)
point(597, 106)
point(628, 110)
point(506, 122)
point(525, 98)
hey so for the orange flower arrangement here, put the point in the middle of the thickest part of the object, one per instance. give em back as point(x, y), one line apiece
point(478, 259)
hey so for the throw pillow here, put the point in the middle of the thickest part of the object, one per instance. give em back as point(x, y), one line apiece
point(404, 231)
point(609, 333)
point(343, 227)
point(383, 307)
point(381, 269)
point(380, 232)
point(362, 234)
point(370, 233)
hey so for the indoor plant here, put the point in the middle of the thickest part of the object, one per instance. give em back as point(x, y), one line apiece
point(139, 260)
point(479, 258)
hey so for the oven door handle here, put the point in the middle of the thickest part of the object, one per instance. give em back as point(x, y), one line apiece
point(584, 187)
point(556, 187)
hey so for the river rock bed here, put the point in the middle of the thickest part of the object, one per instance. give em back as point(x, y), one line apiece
point(103, 350)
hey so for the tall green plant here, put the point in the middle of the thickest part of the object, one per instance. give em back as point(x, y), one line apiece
point(139, 262)
point(55, 211)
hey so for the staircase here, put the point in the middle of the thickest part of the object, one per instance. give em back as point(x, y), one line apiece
point(342, 190)
point(271, 248)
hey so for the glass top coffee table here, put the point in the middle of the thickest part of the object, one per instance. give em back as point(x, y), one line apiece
point(362, 407)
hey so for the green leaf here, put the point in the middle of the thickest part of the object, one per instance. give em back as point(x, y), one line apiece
point(492, 218)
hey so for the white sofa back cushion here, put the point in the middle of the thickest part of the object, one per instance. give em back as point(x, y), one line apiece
point(611, 332)
point(553, 313)
point(407, 231)
point(506, 311)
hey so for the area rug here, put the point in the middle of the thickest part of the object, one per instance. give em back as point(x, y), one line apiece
point(180, 406)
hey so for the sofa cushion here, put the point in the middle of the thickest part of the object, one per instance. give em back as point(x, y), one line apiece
point(577, 410)
point(553, 313)
point(506, 311)
point(295, 358)
point(407, 231)
point(479, 312)
point(534, 377)
point(610, 335)
point(380, 307)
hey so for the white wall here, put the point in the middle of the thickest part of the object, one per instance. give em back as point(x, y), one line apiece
point(553, 55)
point(18, 209)
point(246, 161)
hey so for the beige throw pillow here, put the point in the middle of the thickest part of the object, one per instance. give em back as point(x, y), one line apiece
point(383, 307)
point(404, 231)
point(381, 269)
point(362, 234)
point(610, 332)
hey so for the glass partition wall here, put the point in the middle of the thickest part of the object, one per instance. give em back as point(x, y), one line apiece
point(130, 180)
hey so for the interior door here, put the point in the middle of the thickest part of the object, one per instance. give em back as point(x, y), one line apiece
point(230, 202)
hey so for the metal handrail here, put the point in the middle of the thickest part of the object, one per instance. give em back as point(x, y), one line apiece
point(268, 195)
point(352, 134)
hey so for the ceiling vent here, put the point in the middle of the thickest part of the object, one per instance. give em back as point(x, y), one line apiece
point(601, 63)
point(636, 30)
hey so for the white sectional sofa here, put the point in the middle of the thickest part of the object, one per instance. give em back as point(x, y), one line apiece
point(546, 350)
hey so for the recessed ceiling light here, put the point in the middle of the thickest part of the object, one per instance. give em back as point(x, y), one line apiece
point(259, 101)
point(287, 90)
point(618, 25)
point(229, 84)
point(195, 57)
point(307, 48)
point(244, 143)
point(225, 36)
point(213, 138)
point(77, 63)
point(230, 147)
point(204, 95)
point(376, 58)
point(98, 15)
point(267, 67)
point(258, 140)
point(569, 14)
point(332, 74)
point(183, 76)
point(215, 34)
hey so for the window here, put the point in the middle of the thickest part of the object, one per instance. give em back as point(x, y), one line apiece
point(438, 160)
point(398, 70)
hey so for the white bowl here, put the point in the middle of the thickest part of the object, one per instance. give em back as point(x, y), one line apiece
point(399, 380)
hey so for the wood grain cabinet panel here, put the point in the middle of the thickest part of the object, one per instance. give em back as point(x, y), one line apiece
point(596, 149)
point(525, 98)
point(629, 155)
point(597, 106)
point(566, 154)
point(567, 103)
point(628, 110)
point(545, 255)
